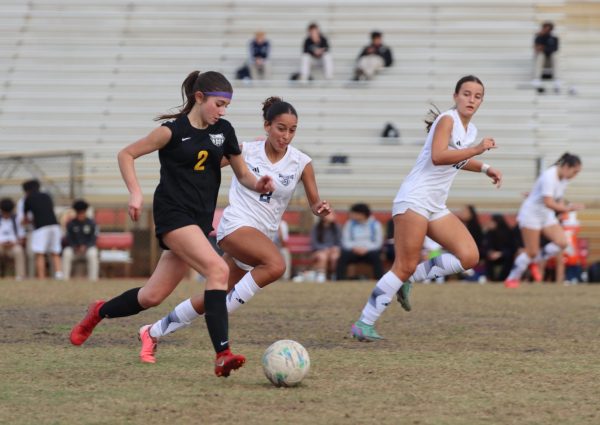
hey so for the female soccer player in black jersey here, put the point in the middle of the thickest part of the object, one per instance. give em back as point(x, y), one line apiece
point(190, 149)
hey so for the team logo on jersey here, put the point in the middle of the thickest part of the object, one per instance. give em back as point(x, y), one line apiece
point(285, 180)
point(217, 139)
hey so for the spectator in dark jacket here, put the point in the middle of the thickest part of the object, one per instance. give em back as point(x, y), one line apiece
point(373, 57)
point(500, 248)
point(315, 52)
point(258, 62)
point(545, 47)
point(81, 241)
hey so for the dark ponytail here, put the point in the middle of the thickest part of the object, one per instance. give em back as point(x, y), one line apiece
point(275, 106)
point(204, 82)
point(569, 160)
point(432, 115)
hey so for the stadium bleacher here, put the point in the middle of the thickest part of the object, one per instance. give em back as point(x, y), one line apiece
point(90, 76)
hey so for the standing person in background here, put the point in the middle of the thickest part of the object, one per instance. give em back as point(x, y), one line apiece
point(190, 149)
point(315, 50)
point(420, 206)
point(46, 236)
point(545, 47)
point(258, 61)
point(250, 222)
point(81, 241)
point(362, 239)
point(12, 237)
point(372, 58)
point(325, 241)
point(537, 216)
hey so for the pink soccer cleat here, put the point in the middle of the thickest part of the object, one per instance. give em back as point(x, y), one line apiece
point(534, 270)
point(149, 345)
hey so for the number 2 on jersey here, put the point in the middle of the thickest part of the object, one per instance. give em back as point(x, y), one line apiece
point(202, 156)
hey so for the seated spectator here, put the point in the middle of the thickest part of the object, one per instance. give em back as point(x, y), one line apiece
point(545, 47)
point(315, 52)
point(373, 57)
point(81, 242)
point(258, 62)
point(281, 240)
point(46, 236)
point(325, 241)
point(12, 237)
point(362, 240)
point(469, 217)
point(500, 249)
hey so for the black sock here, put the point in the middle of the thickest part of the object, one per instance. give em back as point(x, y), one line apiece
point(217, 320)
point(125, 304)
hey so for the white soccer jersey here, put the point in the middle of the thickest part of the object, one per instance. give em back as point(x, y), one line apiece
point(428, 185)
point(547, 184)
point(262, 211)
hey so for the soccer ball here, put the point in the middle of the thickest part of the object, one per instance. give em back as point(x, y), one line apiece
point(285, 363)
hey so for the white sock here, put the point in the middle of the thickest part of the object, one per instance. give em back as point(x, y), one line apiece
point(242, 292)
point(443, 265)
point(380, 298)
point(519, 266)
point(550, 250)
point(181, 317)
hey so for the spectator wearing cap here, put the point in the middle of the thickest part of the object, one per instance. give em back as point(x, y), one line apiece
point(12, 237)
point(362, 239)
point(81, 242)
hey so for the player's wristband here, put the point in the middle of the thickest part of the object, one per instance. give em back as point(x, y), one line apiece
point(485, 167)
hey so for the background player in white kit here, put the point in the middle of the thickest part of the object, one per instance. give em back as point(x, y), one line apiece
point(537, 216)
point(420, 210)
point(250, 222)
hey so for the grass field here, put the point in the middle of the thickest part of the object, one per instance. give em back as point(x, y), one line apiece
point(466, 354)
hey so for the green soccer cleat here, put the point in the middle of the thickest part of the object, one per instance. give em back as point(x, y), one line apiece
point(363, 332)
point(403, 296)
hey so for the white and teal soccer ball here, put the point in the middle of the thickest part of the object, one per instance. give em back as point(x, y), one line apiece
point(285, 363)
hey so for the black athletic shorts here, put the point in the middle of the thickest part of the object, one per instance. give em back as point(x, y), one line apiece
point(166, 220)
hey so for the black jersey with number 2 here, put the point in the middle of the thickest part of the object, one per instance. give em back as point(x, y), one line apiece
point(190, 174)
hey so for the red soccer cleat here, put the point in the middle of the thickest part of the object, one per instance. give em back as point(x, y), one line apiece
point(227, 361)
point(512, 283)
point(82, 331)
point(148, 345)
point(534, 270)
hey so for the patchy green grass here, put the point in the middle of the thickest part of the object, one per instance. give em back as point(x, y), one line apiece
point(466, 354)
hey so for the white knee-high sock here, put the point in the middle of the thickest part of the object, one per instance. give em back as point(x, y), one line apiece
point(182, 316)
point(443, 265)
point(550, 250)
point(519, 266)
point(242, 292)
point(380, 298)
